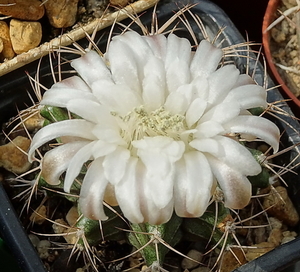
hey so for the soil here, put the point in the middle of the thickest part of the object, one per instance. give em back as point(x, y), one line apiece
point(285, 46)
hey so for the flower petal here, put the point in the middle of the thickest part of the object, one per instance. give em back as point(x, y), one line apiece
point(200, 88)
point(237, 156)
point(177, 62)
point(152, 213)
point(208, 129)
point(221, 82)
point(135, 42)
point(193, 183)
point(92, 192)
point(176, 103)
point(158, 45)
point(208, 145)
point(73, 82)
point(205, 60)
point(195, 111)
point(158, 154)
point(122, 61)
point(154, 84)
point(82, 155)
point(156, 216)
point(108, 133)
point(222, 112)
point(257, 126)
point(96, 113)
point(76, 128)
point(56, 161)
point(127, 61)
point(159, 184)
point(244, 79)
point(128, 192)
point(235, 186)
point(110, 195)
point(248, 96)
point(177, 75)
point(230, 152)
point(177, 49)
point(59, 97)
point(115, 164)
point(160, 145)
point(102, 148)
point(91, 67)
point(117, 98)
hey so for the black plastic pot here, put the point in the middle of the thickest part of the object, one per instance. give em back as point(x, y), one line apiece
point(13, 91)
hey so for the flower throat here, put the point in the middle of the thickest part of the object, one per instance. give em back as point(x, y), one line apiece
point(159, 122)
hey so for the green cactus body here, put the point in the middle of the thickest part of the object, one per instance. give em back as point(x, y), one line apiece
point(153, 236)
point(94, 231)
point(53, 114)
point(206, 226)
point(262, 179)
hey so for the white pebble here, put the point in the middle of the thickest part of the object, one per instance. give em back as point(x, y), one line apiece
point(189, 264)
point(34, 239)
point(42, 249)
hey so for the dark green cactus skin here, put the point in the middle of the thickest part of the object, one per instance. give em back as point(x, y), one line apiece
point(112, 229)
point(205, 227)
point(155, 251)
point(53, 114)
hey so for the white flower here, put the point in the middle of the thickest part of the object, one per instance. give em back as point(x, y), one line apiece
point(160, 127)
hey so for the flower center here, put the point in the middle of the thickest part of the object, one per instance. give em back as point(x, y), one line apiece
point(140, 123)
point(159, 122)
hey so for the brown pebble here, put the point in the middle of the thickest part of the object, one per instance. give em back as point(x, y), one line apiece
point(275, 223)
point(279, 205)
point(61, 13)
point(33, 122)
point(61, 227)
point(278, 36)
point(39, 215)
point(288, 236)
point(31, 10)
point(230, 261)
point(1, 45)
point(119, 3)
point(7, 51)
point(72, 216)
point(24, 35)
point(275, 237)
point(259, 235)
point(258, 250)
point(12, 158)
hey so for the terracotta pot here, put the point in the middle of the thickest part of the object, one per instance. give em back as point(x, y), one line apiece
point(286, 85)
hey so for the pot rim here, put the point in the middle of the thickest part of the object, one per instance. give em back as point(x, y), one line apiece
point(268, 19)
